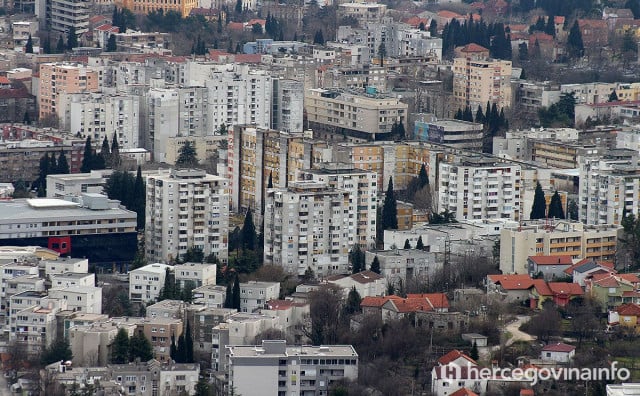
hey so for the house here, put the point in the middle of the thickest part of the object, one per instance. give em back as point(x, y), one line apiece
point(475, 338)
point(253, 294)
point(586, 268)
point(558, 352)
point(366, 283)
point(550, 267)
point(456, 371)
point(626, 315)
point(396, 308)
point(473, 51)
point(513, 287)
point(563, 292)
point(608, 289)
point(595, 32)
point(456, 358)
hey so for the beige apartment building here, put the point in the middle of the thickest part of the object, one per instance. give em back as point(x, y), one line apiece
point(339, 113)
point(159, 331)
point(476, 82)
point(559, 238)
point(57, 78)
point(183, 7)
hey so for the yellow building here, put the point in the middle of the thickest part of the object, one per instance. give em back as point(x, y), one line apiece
point(476, 82)
point(183, 7)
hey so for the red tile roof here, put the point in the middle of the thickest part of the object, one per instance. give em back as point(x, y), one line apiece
point(4, 80)
point(512, 282)
point(542, 288)
point(517, 27)
point(415, 21)
point(465, 373)
point(377, 302)
point(464, 392)
point(248, 58)
point(592, 23)
point(283, 305)
point(631, 294)
point(473, 47)
point(605, 264)
point(559, 347)
point(633, 278)
point(366, 277)
point(605, 280)
point(449, 14)
point(526, 392)
point(629, 309)
point(453, 355)
point(551, 260)
point(572, 289)
point(235, 26)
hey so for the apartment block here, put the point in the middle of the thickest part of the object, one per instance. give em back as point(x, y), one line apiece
point(212, 296)
point(64, 265)
point(91, 344)
point(288, 100)
point(307, 226)
point(62, 185)
point(253, 294)
point(33, 321)
point(476, 189)
point(363, 12)
point(336, 113)
point(558, 238)
point(363, 189)
point(102, 115)
point(609, 189)
point(93, 226)
point(476, 82)
point(174, 309)
point(20, 159)
point(533, 95)
point(457, 134)
point(186, 208)
point(159, 331)
point(203, 320)
point(69, 78)
point(87, 299)
point(276, 369)
point(183, 7)
point(197, 274)
point(70, 279)
point(146, 282)
point(62, 15)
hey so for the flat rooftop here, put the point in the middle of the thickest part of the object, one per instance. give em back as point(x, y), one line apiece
point(304, 350)
point(41, 209)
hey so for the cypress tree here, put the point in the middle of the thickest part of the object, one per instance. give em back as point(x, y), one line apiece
point(270, 181)
point(173, 349)
point(228, 298)
point(613, 97)
point(46, 46)
point(473, 354)
point(433, 28)
point(42, 177)
point(389, 209)
point(63, 164)
point(115, 152)
point(479, 115)
point(356, 255)
point(248, 232)
point(407, 244)
point(139, 199)
point(423, 177)
point(555, 207)
point(574, 41)
point(235, 302)
point(105, 152)
point(87, 159)
point(72, 38)
point(188, 344)
point(60, 45)
point(53, 165)
point(539, 206)
point(29, 46)
point(420, 244)
point(120, 347)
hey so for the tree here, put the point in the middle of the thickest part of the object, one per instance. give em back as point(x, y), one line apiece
point(120, 347)
point(45, 170)
point(352, 305)
point(270, 181)
point(193, 254)
point(238, 7)
point(575, 46)
point(105, 152)
point(187, 156)
point(72, 38)
point(46, 46)
point(168, 290)
point(235, 299)
point(60, 45)
point(423, 177)
point(248, 232)
point(433, 28)
point(140, 199)
point(325, 306)
point(420, 244)
point(375, 265)
point(523, 52)
point(59, 350)
point(318, 37)
point(140, 347)
point(613, 97)
point(228, 298)
point(112, 46)
point(538, 209)
point(28, 48)
point(87, 159)
point(407, 244)
point(188, 344)
point(473, 354)
point(115, 152)
point(202, 387)
point(382, 53)
point(555, 207)
point(546, 324)
point(390, 209)
point(356, 256)
point(63, 164)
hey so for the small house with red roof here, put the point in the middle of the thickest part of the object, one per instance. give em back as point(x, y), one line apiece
point(471, 51)
point(595, 32)
point(456, 358)
point(608, 289)
point(558, 352)
point(513, 287)
point(464, 392)
point(585, 268)
point(626, 315)
point(550, 267)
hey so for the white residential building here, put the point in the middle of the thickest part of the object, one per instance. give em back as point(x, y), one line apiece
point(91, 343)
point(477, 189)
point(62, 185)
point(103, 115)
point(253, 294)
point(62, 15)
point(289, 100)
point(145, 283)
point(72, 279)
point(398, 266)
point(366, 283)
point(212, 296)
point(307, 226)
point(64, 265)
point(273, 368)
point(198, 274)
point(186, 208)
point(35, 327)
point(363, 190)
point(87, 299)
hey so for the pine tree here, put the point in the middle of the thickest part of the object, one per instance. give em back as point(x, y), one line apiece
point(63, 164)
point(187, 156)
point(59, 350)
point(433, 28)
point(473, 354)
point(72, 38)
point(420, 244)
point(29, 46)
point(407, 244)
point(375, 265)
point(539, 206)
point(115, 152)
point(112, 46)
point(120, 347)
point(248, 232)
point(139, 199)
point(613, 97)
point(87, 159)
point(555, 207)
point(423, 177)
point(390, 209)
point(574, 41)
point(140, 347)
point(356, 256)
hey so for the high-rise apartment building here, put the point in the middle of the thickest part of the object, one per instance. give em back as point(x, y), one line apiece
point(477, 189)
point(477, 81)
point(362, 186)
point(308, 225)
point(186, 208)
point(62, 15)
point(57, 78)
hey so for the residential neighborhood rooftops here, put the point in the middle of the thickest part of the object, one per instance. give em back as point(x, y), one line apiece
point(559, 347)
point(551, 260)
point(452, 356)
